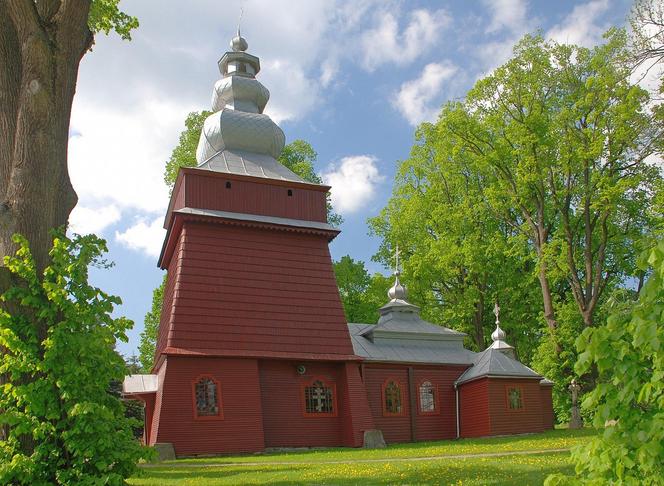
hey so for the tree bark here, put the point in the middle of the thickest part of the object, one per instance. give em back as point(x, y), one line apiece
point(41, 45)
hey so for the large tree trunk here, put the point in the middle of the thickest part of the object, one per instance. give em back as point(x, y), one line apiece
point(41, 45)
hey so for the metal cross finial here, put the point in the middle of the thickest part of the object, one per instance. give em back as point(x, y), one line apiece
point(496, 312)
point(239, 21)
point(396, 257)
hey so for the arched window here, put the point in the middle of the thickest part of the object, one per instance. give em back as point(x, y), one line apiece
point(319, 398)
point(514, 398)
point(207, 398)
point(392, 398)
point(427, 394)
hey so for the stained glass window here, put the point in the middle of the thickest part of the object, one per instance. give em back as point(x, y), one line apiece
point(514, 398)
point(393, 398)
point(207, 398)
point(427, 397)
point(318, 398)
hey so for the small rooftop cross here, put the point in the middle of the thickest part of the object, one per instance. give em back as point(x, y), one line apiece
point(496, 312)
point(396, 258)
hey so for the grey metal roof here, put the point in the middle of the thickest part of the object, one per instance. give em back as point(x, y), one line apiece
point(298, 223)
point(492, 362)
point(247, 163)
point(137, 384)
point(403, 318)
point(406, 350)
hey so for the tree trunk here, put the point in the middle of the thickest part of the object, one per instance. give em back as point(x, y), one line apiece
point(478, 322)
point(41, 45)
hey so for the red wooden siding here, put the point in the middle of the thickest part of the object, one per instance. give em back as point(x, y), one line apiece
point(240, 430)
point(395, 428)
point(203, 189)
point(442, 424)
point(249, 289)
point(355, 410)
point(506, 421)
point(474, 408)
point(284, 420)
point(547, 407)
point(166, 318)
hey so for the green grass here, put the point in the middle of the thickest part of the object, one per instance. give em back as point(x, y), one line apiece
point(553, 439)
point(309, 467)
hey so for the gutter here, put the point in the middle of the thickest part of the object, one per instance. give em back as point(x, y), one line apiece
point(456, 393)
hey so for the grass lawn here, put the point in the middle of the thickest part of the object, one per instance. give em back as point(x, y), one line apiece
point(314, 467)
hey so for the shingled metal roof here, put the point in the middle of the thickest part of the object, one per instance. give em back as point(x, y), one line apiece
point(408, 348)
point(492, 362)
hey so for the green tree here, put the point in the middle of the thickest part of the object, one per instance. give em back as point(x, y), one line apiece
point(626, 353)
point(459, 259)
point(61, 370)
point(148, 344)
point(361, 294)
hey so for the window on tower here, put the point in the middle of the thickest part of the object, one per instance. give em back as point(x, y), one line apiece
point(207, 398)
point(319, 398)
point(392, 398)
point(427, 395)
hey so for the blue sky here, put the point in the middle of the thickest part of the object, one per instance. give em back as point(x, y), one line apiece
point(353, 78)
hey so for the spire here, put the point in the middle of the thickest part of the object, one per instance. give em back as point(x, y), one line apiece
point(239, 43)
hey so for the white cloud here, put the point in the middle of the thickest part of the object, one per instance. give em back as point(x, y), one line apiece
point(507, 14)
point(353, 180)
point(581, 26)
point(84, 220)
point(415, 97)
point(145, 237)
point(384, 43)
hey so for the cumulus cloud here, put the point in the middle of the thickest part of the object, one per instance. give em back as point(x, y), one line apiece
point(507, 15)
point(385, 43)
point(353, 180)
point(415, 99)
point(143, 236)
point(84, 220)
point(581, 26)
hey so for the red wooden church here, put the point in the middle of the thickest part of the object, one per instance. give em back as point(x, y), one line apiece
point(254, 351)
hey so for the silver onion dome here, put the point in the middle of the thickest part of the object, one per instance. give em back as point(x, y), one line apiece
point(239, 43)
point(498, 334)
point(397, 291)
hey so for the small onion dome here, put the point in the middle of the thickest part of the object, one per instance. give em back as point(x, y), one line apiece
point(397, 291)
point(498, 334)
point(239, 43)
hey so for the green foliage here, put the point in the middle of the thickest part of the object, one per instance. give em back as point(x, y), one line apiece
point(627, 355)
point(184, 154)
point(146, 348)
point(361, 294)
point(105, 15)
point(58, 336)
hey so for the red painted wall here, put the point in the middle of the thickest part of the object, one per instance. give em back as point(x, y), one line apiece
point(250, 289)
point(505, 421)
point(548, 418)
point(442, 424)
point(240, 430)
point(395, 429)
point(166, 318)
point(356, 411)
point(474, 408)
point(284, 422)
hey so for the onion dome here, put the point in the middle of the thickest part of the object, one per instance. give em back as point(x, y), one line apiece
point(239, 43)
point(397, 291)
point(498, 334)
point(238, 138)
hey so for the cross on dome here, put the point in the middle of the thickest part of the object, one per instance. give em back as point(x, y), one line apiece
point(397, 291)
point(498, 334)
